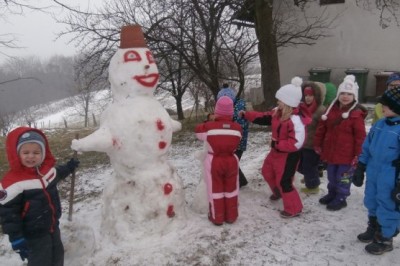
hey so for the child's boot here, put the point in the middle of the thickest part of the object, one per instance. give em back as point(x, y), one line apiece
point(276, 194)
point(308, 191)
point(379, 244)
point(327, 198)
point(336, 204)
point(372, 228)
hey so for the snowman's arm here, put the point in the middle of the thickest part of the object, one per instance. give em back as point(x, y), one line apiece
point(101, 140)
point(176, 126)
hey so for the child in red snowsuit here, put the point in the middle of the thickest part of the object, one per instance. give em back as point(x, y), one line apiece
point(30, 206)
point(221, 165)
point(288, 122)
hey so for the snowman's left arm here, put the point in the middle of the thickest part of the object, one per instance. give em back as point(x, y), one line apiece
point(176, 126)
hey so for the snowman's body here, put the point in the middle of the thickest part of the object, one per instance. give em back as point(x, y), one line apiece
point(136, 133)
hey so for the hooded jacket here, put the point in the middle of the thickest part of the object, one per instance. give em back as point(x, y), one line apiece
point(319, 96)
point(289, 134)
point(29, 201)
point(341, 139)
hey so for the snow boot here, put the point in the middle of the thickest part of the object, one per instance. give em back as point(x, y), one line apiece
point(372, 228)
point(321, 168)
point(379, 245)
point(327, 198)
point(285, 214)
point(336, 204)
point(275, 195)
point(309, 191)
point(242, 179)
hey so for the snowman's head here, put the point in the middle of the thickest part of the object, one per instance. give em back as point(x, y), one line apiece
point(132, 69)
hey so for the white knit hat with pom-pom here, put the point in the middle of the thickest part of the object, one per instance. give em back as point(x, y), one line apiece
point(348, 85)
point(290, 94)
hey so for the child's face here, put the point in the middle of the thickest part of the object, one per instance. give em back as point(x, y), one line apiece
point(346, 98)
point(30, 154)
point(387, 112)
point(309, 99)
point(393, 84)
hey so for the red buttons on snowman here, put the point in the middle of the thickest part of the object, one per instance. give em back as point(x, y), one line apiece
point(167, 189)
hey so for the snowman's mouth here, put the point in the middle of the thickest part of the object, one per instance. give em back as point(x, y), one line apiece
point(147, 80)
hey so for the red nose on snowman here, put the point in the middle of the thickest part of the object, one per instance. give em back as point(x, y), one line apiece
point(132, 37)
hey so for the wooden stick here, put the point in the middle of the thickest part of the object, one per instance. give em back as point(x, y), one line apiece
point(71, 193)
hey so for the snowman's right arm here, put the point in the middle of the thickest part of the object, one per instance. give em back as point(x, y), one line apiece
point(101, 140)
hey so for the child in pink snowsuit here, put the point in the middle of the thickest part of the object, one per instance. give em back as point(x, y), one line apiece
point(221, 165)
point(288, 122)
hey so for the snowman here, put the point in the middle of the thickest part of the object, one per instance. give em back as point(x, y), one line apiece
point(136, 132)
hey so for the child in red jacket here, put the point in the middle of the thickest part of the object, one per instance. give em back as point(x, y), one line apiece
point(339, 137)
point(288, 121)
point(30, 206)
point(221, 165)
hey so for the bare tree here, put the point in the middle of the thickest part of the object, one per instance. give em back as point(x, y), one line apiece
point(13, 8)
point(278, 24)
point(389, 11)
point(186, 29)
point(87, 82)
point(289, 23)
point(6, 122)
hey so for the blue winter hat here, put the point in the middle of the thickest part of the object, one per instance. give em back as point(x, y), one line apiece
point(393, 77)
point(32, 137)
point(391, 98)
point(227, 92)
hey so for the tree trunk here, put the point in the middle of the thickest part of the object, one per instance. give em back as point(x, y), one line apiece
point(268, 52)
point(179, 108)
point(94, 120)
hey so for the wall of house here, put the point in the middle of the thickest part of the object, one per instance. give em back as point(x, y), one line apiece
point(357, 42)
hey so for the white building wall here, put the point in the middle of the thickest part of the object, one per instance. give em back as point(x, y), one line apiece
point(357, 41)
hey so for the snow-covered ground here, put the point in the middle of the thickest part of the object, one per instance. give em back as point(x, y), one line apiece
point(259, 237)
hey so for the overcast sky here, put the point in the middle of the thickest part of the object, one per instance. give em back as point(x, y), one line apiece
point(36, 32)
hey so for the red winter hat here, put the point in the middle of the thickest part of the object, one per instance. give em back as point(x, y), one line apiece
point(308, 91)
point(224, 106)
point(132, 37)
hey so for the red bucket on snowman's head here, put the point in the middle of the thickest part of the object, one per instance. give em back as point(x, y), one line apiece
point(132, 37)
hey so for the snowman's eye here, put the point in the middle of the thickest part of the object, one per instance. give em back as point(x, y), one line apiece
point(150, 57)
point(132, 56)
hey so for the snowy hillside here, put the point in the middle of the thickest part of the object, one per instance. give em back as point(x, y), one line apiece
point(259, 237)
point(54, 114)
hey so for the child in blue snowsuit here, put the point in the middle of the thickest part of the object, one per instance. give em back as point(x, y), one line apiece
point(380, 160)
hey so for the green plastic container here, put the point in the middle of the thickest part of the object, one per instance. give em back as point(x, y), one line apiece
point(320, 74)
point(361, 75)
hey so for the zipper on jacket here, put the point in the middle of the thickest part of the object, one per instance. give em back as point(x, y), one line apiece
point(53, 220)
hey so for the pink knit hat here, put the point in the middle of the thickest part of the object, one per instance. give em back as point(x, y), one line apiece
point(224, 106)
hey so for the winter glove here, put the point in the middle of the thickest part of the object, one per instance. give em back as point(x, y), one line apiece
point(65, 170)
point(396, 163)
point(20, 246)
point(73, 164)
point(358, 176)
